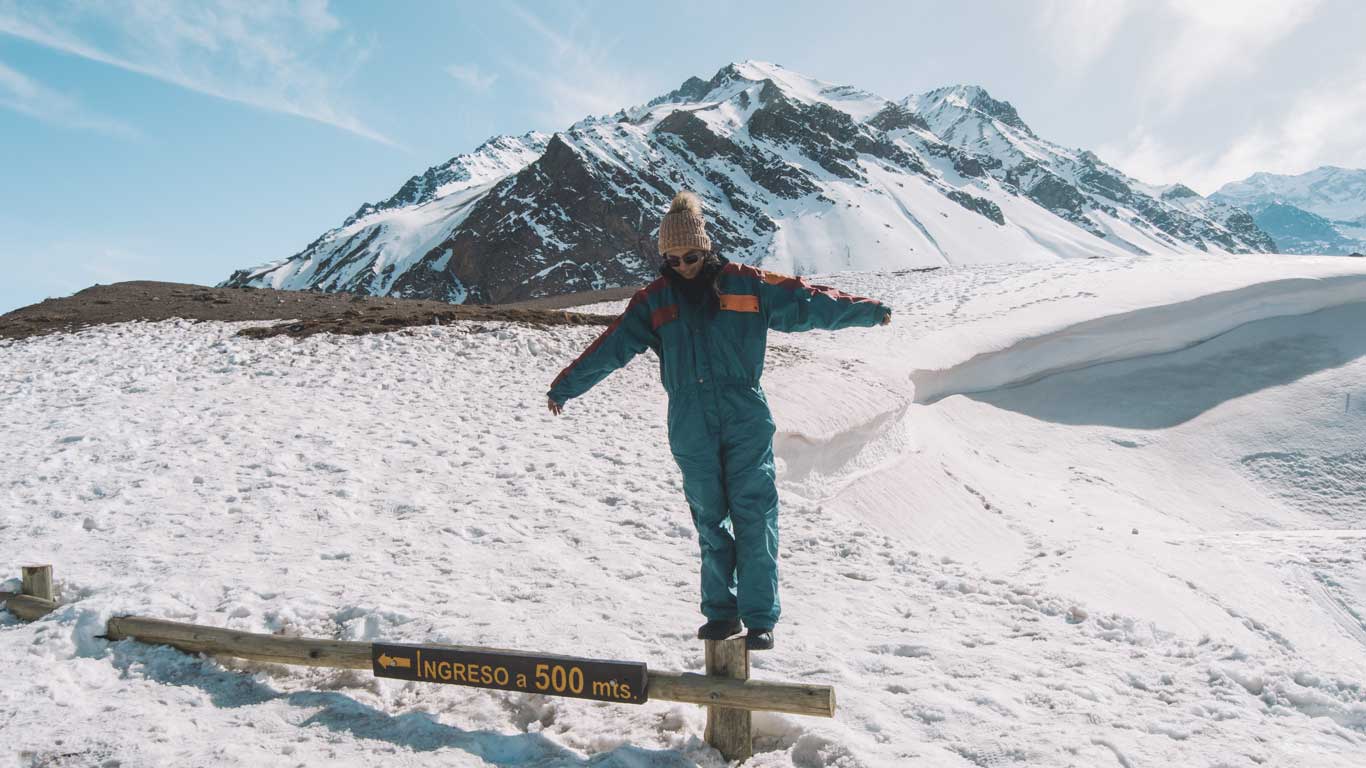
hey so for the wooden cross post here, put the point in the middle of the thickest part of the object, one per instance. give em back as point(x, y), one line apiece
point(728, 730)
point(37, 581)
point(725, 690)
point(34, 600)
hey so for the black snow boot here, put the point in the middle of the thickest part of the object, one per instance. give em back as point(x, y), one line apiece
point(718, 629)
point(759, 639)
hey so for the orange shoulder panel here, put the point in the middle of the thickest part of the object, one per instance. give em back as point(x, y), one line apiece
point(739, 302)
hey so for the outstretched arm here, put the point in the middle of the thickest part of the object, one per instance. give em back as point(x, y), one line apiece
point(793, 304)
point(627, 336)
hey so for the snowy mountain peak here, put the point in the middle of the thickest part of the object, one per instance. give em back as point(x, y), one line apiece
point(1337, 194)
point(772, 81)
point(1177, 192)
point(757, 71)
point(495, 158)
point(957, 103)
point(695, 90)
point(1320, 211)
point(795, 173)
point(855, 102)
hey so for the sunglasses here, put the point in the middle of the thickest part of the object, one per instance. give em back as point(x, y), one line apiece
point(691, 257)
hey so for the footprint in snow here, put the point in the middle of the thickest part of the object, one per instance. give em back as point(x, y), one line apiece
point(904, 650)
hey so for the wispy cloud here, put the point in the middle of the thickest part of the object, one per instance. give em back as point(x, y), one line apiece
point(472, 77)
point(272, 56)
point(578, 78)
point(1215, 39)
point(1324, 125)
point(22, 94)
point(1080, 31)
point(1200, 42)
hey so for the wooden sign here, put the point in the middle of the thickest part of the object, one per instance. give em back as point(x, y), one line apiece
point(618, 681)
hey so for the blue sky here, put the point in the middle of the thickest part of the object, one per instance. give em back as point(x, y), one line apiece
point(181, 139)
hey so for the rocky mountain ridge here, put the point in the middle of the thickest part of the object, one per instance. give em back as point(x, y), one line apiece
point(1319, 211)
point(795, 174)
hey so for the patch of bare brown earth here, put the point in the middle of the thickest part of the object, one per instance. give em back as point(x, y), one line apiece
point(289, 313)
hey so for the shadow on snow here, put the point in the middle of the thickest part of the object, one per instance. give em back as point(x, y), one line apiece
point(1160, 391)
point(418, 731)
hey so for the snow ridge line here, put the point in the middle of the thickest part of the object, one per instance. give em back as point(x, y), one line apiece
point(1138, 333)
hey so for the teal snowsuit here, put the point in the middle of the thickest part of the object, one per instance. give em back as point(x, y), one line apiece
point(720, 428)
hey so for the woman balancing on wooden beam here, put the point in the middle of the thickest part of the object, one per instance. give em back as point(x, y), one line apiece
point(707, 319)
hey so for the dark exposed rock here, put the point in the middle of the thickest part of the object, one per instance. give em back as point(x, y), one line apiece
point(771, 173)
point(1179, 191)
point(819, 131)
point(978, 204)
point(1248, 230)
point(889, 151)
point(1298, 231)
point(895, 117)
point(1001, 110)
point(695, 88)
point(965, 163)
point(697, 138)
point(780, 177)
point(692, 89)
point(968, 166)
point(1108, 184)
point(740, 203)
point(501, 251)
point(830, 137)
point(1057, 195)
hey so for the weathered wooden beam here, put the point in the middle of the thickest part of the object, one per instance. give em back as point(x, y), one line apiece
point(728, 729)
point(792, 698)
point(193, 638)
point(815, 700)
point(37, 581)
point(27, 607)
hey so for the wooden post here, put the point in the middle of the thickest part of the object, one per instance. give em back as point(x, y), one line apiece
point(35, 600)
point(37, 581)
point(728, 730)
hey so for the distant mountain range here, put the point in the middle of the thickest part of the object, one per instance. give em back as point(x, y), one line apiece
point(796, 174)
point(1322, 211)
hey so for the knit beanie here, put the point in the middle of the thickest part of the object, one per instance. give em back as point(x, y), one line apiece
point(683, 226)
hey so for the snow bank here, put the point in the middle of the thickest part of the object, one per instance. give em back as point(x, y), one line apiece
point(1137, 333)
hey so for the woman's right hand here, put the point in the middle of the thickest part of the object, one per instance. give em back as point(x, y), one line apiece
point(555, 408)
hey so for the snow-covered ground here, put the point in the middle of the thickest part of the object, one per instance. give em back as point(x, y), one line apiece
point(1087, 513)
